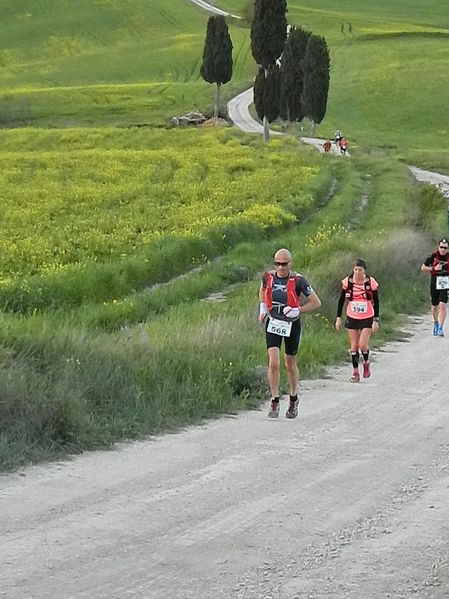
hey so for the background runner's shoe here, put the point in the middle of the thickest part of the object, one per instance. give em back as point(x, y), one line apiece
point(273, 412)
point(366, 370)
point(440, 331)
point(292, 411)
point(435, 328)
point(355, 378)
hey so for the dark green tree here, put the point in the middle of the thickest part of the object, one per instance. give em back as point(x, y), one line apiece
point(268, 33)
point(316, 66)
point(247, 12)
point(292, 75)
point(267, 93)
point(217, 56)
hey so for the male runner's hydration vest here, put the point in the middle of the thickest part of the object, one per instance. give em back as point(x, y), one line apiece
point(292, 298)
point(436, 260)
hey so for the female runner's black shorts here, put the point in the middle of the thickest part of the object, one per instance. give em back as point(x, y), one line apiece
point(358, 323)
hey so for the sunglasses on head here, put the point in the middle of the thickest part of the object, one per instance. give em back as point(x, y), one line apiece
point(280, 263)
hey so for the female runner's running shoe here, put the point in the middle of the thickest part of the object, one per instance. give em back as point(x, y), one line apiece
point(366, 370)
point(355, 378)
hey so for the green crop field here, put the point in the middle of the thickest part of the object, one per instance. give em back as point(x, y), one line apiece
point(110, 195)
point(116, 227)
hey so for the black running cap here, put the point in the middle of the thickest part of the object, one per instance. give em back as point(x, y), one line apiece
point(360, 262)
point(443, 240)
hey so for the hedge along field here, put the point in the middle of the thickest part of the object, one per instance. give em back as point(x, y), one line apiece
point(94, 214)
point(114, 61)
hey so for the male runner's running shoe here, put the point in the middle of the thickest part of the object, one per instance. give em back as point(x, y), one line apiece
point(355, 378)
point(366, 370)
point(292, 411)
point(435, 328)
point(273, 412)
point(440, 331)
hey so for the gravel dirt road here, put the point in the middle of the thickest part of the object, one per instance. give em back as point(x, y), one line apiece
point(349, 501)
point(437, 179)
point(209, 7)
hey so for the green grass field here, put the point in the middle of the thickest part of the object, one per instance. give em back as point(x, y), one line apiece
point(389, 64)
point(116, 227)
point(116, 62)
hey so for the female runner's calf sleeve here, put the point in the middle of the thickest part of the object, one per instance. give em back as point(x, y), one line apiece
point(355, 358)
point(365, 355)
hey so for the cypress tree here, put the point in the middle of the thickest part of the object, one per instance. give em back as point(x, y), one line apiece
point(316, 66)
point(292, 75)
point(268, 33)
point(267, 93)
point(217, 56)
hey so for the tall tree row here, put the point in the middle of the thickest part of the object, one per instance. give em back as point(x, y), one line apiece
point(293, 77)
point(217, 56)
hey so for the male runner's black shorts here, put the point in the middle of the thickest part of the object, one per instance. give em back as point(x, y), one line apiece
point(291, 342)
point(437, 295)
point(358, 323)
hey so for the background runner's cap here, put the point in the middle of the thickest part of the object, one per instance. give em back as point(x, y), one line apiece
point(360, 262)
point(443, 240)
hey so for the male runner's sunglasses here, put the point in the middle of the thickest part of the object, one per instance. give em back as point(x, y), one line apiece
point(280, 263)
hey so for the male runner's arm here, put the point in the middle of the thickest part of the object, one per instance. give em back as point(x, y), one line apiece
point(263, 308)
point(427, 265)
point(313, 302)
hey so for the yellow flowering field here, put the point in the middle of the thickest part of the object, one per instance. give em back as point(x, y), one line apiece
point(83, 195)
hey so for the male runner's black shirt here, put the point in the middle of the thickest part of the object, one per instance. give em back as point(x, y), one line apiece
point(442, 259)
point(279, 293)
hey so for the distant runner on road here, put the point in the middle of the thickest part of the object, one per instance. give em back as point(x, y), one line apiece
point(343, 145)
point(280, 308)
point(438, 266)
point(359, 290)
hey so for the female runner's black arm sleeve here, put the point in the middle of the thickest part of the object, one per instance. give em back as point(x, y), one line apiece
point(376, 303)
point(341, 301)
